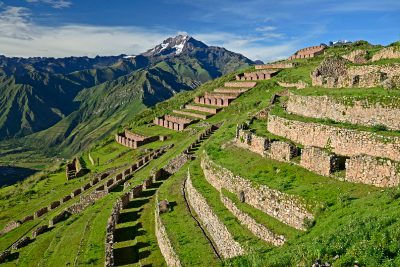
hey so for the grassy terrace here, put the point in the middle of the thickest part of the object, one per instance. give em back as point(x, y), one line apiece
point(279, 111)
point(315, 189)
point(187, 238)
point(270, 222)
point(347, 96)
point(239, 232)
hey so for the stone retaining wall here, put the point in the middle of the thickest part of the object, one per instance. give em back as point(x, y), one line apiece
point(386, 53)
point(357, 56)
point(374, 171)
point(359, 112)
point(279, 65)
point(59, 217)
point(308, 52)
point(240, 84)
point(282, 151)
point(257, 229)
point(195, 115)
point(171, 258)
point(203, 109)
point(319, 161)
point(257, 75)
point(41, 212)
point(133, 140)
point(345, 142)
point(211, 100)
point(252, 142)
point(231, 90)
point(169, 124)
point(299, 85)
point(225, 244)
point(179, 120)
point(9, 227)
point(286, 208)
point(39, 230)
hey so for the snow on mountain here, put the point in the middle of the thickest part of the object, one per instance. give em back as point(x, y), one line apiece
point(174, 46)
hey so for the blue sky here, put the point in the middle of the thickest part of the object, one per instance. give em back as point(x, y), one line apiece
point(266, 30)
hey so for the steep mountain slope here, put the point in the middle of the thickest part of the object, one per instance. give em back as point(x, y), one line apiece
point(37, 93)
point(178, 64)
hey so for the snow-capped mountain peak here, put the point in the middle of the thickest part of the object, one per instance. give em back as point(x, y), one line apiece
point(174, 46)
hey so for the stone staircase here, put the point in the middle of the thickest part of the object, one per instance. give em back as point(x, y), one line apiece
point(204, 106)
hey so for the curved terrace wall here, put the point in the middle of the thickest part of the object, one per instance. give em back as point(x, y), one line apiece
point(171, 258)
point(360, 112)
point(257, 229)
point(286, 208)
point(223, 240)
point(341, 141)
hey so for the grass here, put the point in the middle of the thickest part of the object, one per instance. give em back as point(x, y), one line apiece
point(359, 223)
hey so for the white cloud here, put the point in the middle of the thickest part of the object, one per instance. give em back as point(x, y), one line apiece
point(249, 46)
point(21, 36)
point(53, 3)
point(266, 29)
point(14, 23)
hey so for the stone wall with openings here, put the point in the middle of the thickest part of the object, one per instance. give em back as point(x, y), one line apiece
point(341, 141)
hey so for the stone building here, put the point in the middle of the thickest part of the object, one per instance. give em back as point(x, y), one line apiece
point(308, 52)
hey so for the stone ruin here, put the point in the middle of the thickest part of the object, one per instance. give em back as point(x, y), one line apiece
point(386, 53)
point(4, 255)
point(308, 52)
point(21, 243)
point(75, 169)
point(358, 56)
point(333, 72)
point(257, 75)
point(204, 106)
point(133, 140)
point(212, 100)
point(319, 160)
point(369, 158)
point(172, 122)
point(9, 227)
point(39, 230)
point(282, 151)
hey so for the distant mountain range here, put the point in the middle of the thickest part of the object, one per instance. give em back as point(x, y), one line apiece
point(65, 100)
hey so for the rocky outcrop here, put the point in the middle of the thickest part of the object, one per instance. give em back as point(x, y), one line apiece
point(225, 244)
point(286, 208)
point(341, 141)
point(356, 112)
point(257, 229)
point(170, 256)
